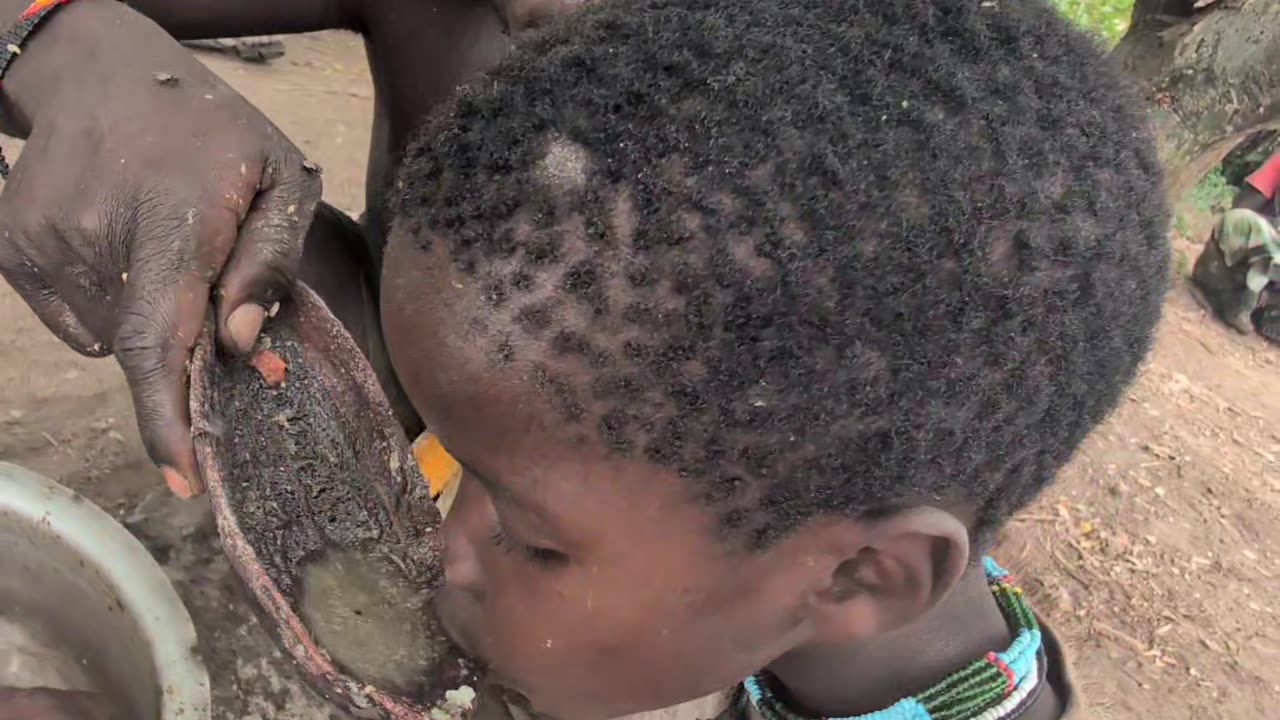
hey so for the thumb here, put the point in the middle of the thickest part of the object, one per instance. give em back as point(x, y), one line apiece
point(267, 252)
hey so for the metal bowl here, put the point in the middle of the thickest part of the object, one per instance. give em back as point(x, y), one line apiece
point(83, 606)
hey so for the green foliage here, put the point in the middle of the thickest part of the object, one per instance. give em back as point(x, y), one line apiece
point(1182, 263)
point(1180, 225)
point(1210, 197)
point(1248, 155)
point(1107, 18)
point(1213, 193)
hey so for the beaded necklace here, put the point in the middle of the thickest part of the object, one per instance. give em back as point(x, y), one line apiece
point(1000, 686)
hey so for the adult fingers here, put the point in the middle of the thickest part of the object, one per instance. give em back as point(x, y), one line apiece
point(152, 344)
point(161, 315)
point(268, 250)
point(526, 14)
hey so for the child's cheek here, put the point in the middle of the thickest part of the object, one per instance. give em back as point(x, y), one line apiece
point(533, 649)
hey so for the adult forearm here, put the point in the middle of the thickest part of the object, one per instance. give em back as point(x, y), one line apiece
point(65, 45)
point(194, 19)
point(89, 37)
point(1250, 199)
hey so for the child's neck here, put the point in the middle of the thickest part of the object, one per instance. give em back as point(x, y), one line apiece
point(839, 681)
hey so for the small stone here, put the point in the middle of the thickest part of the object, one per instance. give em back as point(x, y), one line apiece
point(166, 79)
point(462, 698)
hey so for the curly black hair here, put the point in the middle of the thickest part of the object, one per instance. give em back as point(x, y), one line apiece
point(822, 257)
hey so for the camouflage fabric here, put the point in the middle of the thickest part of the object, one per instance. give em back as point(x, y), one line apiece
point(1246, 236)
point(1239, 262)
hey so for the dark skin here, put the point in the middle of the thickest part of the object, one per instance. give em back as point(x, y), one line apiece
point(634, 606)
point(639, 604)
point(1249, 198)
point(122, 239)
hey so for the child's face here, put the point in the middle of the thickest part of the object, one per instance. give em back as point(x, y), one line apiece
point(594, 585)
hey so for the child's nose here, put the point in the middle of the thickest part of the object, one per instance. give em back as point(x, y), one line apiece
point(468, 523)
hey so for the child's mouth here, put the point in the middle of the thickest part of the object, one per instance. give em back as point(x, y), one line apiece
point(450, 611)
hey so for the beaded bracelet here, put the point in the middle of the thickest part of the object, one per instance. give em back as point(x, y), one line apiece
point(12, 40)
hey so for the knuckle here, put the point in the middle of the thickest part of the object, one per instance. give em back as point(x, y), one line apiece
point(264, 278)
point(276, 237)
point(277, 255)
point(86, 223)
point(310, 186)
point(294, 173)
point(141, 337)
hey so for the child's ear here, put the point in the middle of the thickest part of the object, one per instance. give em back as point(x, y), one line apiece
point(889, 572)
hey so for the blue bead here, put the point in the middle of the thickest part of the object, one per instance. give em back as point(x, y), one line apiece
point(1020, 658)
point(993, 568)
point(907, 708)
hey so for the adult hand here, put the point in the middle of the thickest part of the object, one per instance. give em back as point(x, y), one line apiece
point(46, 704)
point(524, 14)
point(147, 187)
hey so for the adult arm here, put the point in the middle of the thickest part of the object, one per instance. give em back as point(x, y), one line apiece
point(199, 19)
point(1250, 198)
point(1260, 187)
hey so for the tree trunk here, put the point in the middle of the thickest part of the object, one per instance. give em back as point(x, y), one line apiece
point(1211, 72)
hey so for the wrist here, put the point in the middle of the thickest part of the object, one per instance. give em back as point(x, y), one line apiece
point(57, 55)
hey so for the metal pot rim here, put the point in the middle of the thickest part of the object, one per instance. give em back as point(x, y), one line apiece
point(135, 577)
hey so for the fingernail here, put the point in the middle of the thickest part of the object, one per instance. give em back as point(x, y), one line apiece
point(179, 484)
point(243, 326)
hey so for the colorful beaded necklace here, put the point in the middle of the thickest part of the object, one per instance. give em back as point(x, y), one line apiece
point(998, 687)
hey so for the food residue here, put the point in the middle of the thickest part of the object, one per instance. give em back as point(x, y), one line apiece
point(270, 366)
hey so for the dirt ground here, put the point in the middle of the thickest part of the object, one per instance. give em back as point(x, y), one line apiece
point(1157, 554)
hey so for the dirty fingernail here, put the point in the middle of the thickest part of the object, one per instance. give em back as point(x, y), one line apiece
point(243, 326)
point(179, 484)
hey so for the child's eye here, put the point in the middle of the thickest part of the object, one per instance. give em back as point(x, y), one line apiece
point(544, 557)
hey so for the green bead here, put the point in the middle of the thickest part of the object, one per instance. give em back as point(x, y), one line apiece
point(977, 687)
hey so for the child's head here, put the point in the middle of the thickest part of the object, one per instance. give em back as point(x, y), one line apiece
point(752, 317)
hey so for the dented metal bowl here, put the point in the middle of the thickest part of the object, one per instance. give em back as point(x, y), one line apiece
point(84, 606)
